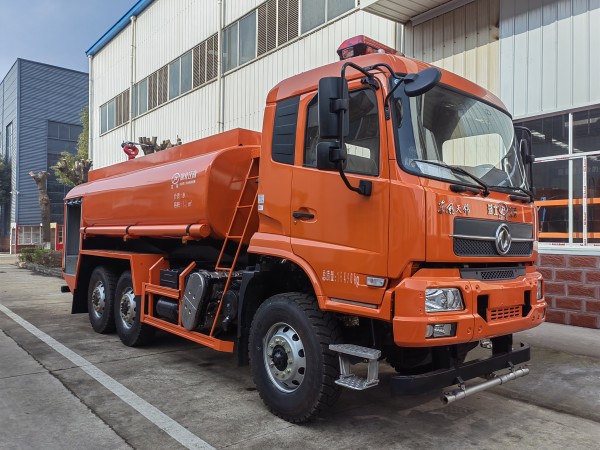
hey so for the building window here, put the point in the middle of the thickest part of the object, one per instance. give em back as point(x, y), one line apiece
point(317, 12)
point(567, 177)
point(247, 35)
point(230, 46)
point(174, 78)
point(9, 140)
point(115, 112)
point(239, 42)
point(29, 235)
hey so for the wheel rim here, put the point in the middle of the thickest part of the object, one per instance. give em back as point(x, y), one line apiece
point(99, 299)
point(284, 358)
point(127, 308)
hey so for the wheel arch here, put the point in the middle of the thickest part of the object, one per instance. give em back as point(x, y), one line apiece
point(87, 265)
point(270, 276)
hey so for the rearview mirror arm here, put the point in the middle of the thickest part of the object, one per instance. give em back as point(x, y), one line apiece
point(364, 186)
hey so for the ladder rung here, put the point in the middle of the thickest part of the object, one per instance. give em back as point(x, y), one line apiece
point(224, 268)
point(245, 206)
point(234, 237)
point(253, 178)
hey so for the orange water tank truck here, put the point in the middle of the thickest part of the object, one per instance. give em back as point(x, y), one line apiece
point(384, 214)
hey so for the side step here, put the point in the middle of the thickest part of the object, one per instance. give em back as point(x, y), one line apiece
point(368, 355)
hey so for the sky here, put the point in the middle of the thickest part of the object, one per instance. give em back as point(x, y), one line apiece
point(56, 32)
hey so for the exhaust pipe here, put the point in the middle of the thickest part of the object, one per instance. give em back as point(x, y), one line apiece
point(463, 392)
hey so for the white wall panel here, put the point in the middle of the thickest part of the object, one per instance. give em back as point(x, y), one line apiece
point(168, 28)
point(464, 41)
point(549, 55)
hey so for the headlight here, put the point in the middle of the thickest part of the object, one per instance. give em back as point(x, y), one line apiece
point(540, 289)
point(444, 299)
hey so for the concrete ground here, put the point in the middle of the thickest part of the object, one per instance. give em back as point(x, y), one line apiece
point(50, 401)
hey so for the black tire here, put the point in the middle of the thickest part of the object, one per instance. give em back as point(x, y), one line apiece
point(127, 314)
point(298, 335)
point(100, 300)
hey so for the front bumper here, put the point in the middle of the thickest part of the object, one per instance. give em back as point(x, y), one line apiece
point(439, 379)
point(492, 308)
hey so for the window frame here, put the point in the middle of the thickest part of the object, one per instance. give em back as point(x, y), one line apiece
point(313, 102)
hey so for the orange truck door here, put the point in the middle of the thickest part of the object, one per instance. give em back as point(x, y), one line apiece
point(344, 235)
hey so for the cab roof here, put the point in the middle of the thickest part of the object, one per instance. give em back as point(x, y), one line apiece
point(309, 81)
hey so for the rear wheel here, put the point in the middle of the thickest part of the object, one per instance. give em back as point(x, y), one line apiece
point(292, 366)
point(101, 292)
point(127, 311)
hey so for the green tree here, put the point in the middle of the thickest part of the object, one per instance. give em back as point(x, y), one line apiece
point(72, 169)
point(5, 186)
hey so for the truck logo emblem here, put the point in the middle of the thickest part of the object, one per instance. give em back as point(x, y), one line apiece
point(503, 239)
point(179, 177)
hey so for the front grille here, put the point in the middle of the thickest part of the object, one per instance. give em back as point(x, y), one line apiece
point(508, 312)
point(474, 247)
point(492, 273)
point(498, 275)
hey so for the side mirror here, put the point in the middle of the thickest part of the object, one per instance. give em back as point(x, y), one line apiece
point(330, 156)
point(333, 108)
point(421, 82)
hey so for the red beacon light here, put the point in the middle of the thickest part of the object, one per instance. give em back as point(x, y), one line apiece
point(363, 45)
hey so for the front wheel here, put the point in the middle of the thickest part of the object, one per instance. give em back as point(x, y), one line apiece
point(127, 311)
point(292, 366)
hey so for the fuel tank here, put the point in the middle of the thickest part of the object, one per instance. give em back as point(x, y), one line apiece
point(191, 189)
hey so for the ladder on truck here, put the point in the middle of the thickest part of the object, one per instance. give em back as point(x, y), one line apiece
point(238, 228)
point(237, 233)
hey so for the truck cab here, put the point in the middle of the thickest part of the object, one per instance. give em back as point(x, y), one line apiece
point(443, 246)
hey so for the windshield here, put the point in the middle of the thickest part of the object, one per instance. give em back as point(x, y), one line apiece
point(457, 131)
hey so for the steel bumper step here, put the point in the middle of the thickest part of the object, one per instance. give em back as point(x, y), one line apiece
point(347, 378)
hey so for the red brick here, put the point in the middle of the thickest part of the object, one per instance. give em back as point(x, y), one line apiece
point(553, 260)
point(580, 290)
point(555, 288)
point(569, 303)
point(556, 317)
point(568, 275)
point(584, 320)
point(583, 261)
point(592, 276)
point(592, 306)
point(547, 273)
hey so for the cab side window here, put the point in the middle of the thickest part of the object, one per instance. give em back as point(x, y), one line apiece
point(363, 141)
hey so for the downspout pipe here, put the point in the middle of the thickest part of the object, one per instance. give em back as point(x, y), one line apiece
point(132, 79)
point(221, 92)
point(91, 112)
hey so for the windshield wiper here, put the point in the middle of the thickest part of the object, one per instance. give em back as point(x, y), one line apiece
point(530, 197)
point(484, 187)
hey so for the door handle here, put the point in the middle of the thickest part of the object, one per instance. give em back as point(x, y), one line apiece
point(302, 215)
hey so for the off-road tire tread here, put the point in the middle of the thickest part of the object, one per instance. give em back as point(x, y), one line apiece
point(327, 330)
point(140, 334)
point(111, 285)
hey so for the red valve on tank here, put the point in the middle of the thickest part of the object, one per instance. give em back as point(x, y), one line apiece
point(130, 150)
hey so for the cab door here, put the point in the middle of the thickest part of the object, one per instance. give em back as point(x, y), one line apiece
point(341, 234)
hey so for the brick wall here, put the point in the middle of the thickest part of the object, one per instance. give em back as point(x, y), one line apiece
point(572, 285)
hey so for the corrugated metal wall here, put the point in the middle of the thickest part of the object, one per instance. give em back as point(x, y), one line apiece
point(8, 114)
point(464, 41)
point(169, 28)
point(549, 55)
point(45, 93)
